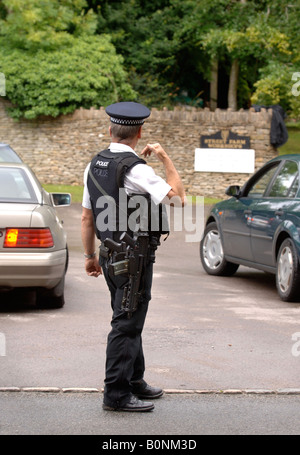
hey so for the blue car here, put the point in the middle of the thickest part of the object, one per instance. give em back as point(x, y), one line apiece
point(259, 227)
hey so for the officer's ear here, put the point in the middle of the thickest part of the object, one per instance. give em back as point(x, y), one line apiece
point(140, 133)
point(110, 131)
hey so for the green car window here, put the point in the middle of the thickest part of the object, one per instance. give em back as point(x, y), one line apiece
point(258, 189)
point(286, 183)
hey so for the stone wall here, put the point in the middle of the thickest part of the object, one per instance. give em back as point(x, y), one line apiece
point(59, 149)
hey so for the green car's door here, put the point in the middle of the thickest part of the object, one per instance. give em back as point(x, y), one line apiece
point(236, 228)
point(237, 218)
point(270, 211)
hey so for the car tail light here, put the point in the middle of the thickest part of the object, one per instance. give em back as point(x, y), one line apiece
point(28, 238)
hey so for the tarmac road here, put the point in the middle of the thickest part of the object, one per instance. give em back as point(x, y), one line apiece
point(202, 333)
point(187, 414)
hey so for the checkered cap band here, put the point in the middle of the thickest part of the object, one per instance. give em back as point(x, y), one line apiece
point(129, 122)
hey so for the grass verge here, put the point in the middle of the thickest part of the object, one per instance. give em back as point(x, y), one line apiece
point(293, 143)
point(75, 191)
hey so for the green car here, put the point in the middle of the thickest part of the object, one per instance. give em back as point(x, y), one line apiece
point(259, 227)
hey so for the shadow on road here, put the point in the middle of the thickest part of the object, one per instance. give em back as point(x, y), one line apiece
point(17, 300)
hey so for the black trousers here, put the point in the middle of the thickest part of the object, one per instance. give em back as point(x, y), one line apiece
point(125, 362)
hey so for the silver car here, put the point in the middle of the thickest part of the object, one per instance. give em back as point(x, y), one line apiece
point(33, 245)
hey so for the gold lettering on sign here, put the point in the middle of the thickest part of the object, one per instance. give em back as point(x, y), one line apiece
point(225, 139)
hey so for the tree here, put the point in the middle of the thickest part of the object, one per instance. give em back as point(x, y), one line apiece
point(52, 61)
point(143, 33)
point(87, 73)
point(219, 53)
point(277, 81)
point(257, 42)
point(236, 35)
point(45, 24)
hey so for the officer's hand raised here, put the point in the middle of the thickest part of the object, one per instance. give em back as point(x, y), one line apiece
point(156, 149)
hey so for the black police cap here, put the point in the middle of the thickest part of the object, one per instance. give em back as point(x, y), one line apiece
point(127, 113)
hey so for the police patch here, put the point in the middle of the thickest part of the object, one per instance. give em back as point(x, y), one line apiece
point(100, 168)
point(102, 164)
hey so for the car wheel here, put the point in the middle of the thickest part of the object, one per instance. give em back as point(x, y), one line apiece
point(288, 272)
point(212, 255)
point(52, 298)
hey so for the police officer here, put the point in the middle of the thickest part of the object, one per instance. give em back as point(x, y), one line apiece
point(125, 387)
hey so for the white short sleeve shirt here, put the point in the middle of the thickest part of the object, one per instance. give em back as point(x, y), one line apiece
point(140, 179)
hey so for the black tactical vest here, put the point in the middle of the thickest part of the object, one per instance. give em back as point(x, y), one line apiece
point(106, 177)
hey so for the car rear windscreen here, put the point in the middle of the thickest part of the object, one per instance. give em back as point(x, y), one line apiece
point(7, 155)
point(15, 186)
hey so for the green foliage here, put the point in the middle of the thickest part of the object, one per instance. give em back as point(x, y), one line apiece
point(144, 34)
point(251, 32)
point(168, 46)
point(258, 40)
point(53, 63)
point(45, 24)
point(274, 81)
point(275, 86)
point(57, 55)
point(86, 73)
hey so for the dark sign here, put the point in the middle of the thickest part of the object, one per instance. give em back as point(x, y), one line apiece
point(225, 140)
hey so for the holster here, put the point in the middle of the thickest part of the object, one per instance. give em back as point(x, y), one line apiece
point(104, 251)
